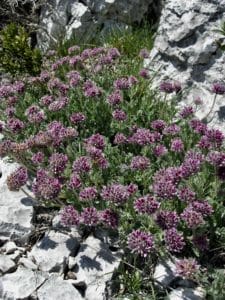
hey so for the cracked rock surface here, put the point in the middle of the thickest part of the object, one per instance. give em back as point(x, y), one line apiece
point(87, 18)
point(186, 50)
point(16, 208)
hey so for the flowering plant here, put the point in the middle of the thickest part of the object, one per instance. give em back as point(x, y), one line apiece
point(111, 152)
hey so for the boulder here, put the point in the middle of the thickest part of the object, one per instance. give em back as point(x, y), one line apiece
point(20, 284)
point(68, 18)
point(17, 209)
point(57, 288)
point(187, 294)
point(186, 50)
point(95, 267)
point(6, 264)
point(52, 252)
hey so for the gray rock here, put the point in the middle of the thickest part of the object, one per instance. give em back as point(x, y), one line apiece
point(95, 266)
point(10, 247)
point(185, 49)
point(71, 262)
point(27, 263)
point(6, 264)
point(16, 208)
point(164, 273)
point(51, 253)
point(20, 284)
point(187, 294)
point(16, 255)
point(65, 18)
point(57, 288)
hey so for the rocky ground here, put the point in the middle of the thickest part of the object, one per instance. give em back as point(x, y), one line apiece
point(41, 259)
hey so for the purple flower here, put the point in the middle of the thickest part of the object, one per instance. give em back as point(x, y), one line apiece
point(59, 104)
point(17, 179)
point(132, 188)
point(165, 182)
point(198, 101)
point(174, 240)
point(142, 137)
point(77, 118)
point(160, 150)
point(91, 90)
point(46, 187)
point(90, 216)
point(44, 76)
point(215, 136)
point(120, 139)
point(166, 87)
point(192, 163)
point(144, 53)
point(115, 98)
point(140, 242)
point(75, 181)
point(97, 140)
point(15, 125)
point(114, 53)
point(167, 219)
point(109, 218)
point(146, 205)
point(198, 126)
point(38, 158)
point(57, 163)
point(116, 193)
point(122, 83)
point(5, 147)
point(202, 207)
point(119, 115)
point(10, 112)
point(186, 194)
point(88, 194)
point(204, 142)
point(192, 217)
point(186, 112)
point(158, 125)
point(75, 60)
point(216, 158)
point(82, 164)
point(69, 216)
point(172, 129)
point(139, 163)
point(187, 268)
point(144, 73)
point(218, 88)
point(35, 114)
point(74, 48)
point(58, 132)
point(177, 145)
point(46, 100)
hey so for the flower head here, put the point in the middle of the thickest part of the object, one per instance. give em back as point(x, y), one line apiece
point(17, 179)
point(140, 242)
point(69, 216)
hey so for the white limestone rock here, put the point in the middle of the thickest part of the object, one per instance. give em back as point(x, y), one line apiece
point(164, 273)
point(51, 253)
point(27, 263)
point(95, 266)
point(65, 18)
point(20, 284)
point(187, 294)
point(185, 49)
point(16, 208)
point(6, 264)
point(57, 288)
